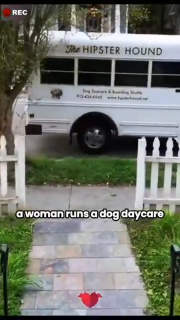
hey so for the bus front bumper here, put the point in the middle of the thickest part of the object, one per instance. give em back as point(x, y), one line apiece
point(33, 129)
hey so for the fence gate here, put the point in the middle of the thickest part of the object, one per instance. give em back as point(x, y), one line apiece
point(169, 167)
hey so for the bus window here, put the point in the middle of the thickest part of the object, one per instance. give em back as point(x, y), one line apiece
point(131, 73)
point(95, 72)
point(165, 74)
point(57, 71)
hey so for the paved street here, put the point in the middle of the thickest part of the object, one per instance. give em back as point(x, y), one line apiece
point(56, 145)
point(73, 256)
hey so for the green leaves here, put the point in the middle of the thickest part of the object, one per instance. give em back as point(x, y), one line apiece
point(138, 13)
point(23, 45)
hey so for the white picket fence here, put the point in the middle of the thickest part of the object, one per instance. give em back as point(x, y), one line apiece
point(160, 198)
point(6, 197)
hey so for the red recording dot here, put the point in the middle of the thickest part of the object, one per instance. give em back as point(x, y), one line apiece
point(6, 12)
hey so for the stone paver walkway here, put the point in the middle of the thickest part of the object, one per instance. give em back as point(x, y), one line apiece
point(71, 256)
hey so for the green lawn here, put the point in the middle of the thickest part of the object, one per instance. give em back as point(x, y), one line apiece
point(99, 171)
point(18, 235)
point(151, 241)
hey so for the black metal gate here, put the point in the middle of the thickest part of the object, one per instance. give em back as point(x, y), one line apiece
point(4, 252)
point(175, 270)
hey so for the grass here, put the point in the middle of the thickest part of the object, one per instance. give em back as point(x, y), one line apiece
point(99, 171)
point(151, 241)
point(18, 235)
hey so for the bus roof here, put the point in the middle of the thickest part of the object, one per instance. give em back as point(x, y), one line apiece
point(168, 45)
point(81, 38)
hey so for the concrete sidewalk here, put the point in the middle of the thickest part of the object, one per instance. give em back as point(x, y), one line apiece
point(72, 256)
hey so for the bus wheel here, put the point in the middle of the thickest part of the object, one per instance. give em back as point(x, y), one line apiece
point(94, 139)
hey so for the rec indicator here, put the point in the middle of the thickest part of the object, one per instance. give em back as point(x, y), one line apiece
point(12, 12)
point(8, 12)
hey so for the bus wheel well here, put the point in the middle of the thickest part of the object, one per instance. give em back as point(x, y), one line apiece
point(93, 118)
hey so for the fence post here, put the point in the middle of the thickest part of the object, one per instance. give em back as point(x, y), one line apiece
point(175, 268)
point(168, 173)
point(178, 174)
point(3, 174)
point(141, 174)
point(20, 174)
point(155, 171)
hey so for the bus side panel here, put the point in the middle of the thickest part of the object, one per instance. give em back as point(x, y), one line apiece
point(136, 111)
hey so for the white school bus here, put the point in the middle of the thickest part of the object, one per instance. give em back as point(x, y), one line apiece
point(117, 84)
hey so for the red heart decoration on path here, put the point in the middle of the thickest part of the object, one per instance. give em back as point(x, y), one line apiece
point(90, 300)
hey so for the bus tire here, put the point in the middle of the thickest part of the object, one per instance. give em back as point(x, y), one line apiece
point(94, 139)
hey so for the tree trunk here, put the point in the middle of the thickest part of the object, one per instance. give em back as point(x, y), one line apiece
point(10, 141)
point(6, 117)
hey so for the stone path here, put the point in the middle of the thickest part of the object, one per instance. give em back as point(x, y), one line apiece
point(69, 257)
